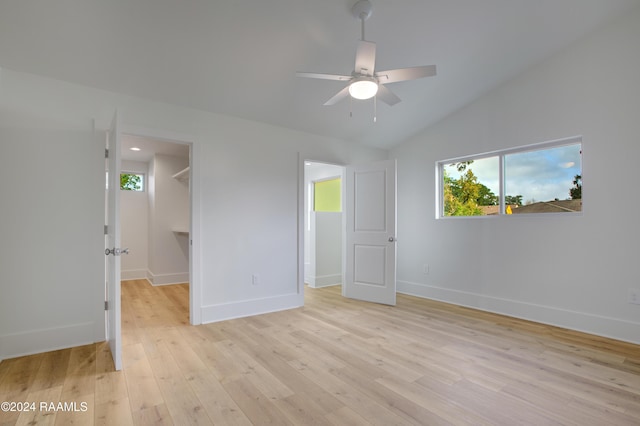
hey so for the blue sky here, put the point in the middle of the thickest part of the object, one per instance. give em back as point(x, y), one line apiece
point(541, 175)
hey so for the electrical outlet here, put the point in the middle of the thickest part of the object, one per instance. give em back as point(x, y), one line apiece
point(425, 269)
point(255, 279)
point(634, 296)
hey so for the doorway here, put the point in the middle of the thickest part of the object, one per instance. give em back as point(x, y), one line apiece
point(368, 249)
point(113, 248)
point(155, 210)
point(323, 224)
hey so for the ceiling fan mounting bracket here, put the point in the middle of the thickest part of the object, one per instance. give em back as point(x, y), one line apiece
point(362, 10)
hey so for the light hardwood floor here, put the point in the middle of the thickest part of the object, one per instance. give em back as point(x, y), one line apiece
point(334, 362)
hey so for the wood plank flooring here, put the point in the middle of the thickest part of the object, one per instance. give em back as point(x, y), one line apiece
point(334, 362)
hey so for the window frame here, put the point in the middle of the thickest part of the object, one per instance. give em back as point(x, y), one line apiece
point(501, 154)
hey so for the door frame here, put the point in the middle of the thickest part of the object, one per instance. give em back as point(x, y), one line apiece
point(301, 217)
point(302, 231)
point(195, 249)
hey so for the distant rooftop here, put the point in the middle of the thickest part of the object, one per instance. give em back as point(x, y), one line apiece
point(559, 206)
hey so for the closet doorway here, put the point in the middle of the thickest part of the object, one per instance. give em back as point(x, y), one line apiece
point(323, 224)
point(155, 211)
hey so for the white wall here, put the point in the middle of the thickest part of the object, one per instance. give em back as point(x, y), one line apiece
point(134, 212)
point(323, 232)
point(570, 271)
point(168, 261)
point(52, 186)
point(328, 248)
point(250, 174)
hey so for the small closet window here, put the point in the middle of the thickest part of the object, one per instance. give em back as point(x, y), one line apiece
point(132, 182)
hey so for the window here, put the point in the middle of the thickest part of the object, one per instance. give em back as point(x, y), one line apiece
point(328, 195)
point(541, 178)
point(471, 187)
point(131, 181)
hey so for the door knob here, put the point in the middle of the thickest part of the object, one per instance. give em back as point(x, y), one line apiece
point(116, 251)
point(391, 239)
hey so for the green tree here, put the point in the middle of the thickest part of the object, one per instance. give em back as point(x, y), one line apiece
point(461, 195)
point(469, 187)
point(464, 196)
point(130, 182)
point(513, 199)
point(450, 200)
point(576, 191)
point(462, 166)
point(487, 197)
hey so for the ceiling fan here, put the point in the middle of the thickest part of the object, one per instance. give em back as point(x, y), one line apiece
point(364, 81)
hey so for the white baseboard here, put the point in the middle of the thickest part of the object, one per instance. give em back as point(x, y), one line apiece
point(45, 340)
point(133, 274)
point(167, 279)
point(325, 280)
point(246, 308)
point(579, 321)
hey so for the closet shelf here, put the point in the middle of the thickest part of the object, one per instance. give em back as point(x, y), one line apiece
point(182, 175)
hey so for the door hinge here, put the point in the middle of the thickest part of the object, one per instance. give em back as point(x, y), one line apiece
point(106, 153)
point(106, 229)
point(106, 305)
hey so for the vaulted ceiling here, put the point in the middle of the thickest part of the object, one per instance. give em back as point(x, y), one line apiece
point(240, 57)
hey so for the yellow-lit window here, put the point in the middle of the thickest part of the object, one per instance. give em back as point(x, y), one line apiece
point(328, 195)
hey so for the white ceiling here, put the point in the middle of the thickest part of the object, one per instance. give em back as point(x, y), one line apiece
point(240, 57)
point(149, 147)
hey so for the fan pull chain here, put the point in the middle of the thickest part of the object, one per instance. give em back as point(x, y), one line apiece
point(350, 107)
point(375, 109)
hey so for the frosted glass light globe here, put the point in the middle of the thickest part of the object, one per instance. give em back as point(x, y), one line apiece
point(363, 88)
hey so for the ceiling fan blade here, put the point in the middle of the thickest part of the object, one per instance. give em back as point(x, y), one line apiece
point(387, 96)
point(323, 76)
point(338, 97)
point(403, 74)
point(365, 58)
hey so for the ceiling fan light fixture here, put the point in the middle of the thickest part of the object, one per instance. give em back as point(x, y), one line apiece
point(363, 88)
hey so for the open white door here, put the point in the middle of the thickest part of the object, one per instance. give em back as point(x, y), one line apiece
point(113, 250)
point(370, 212)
